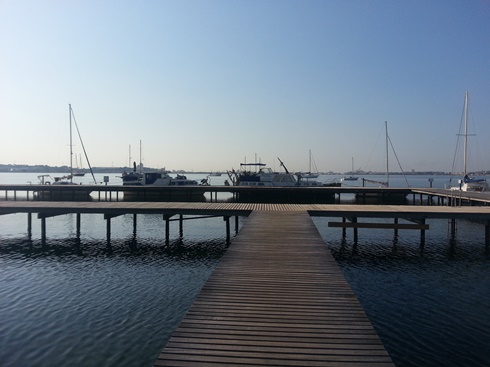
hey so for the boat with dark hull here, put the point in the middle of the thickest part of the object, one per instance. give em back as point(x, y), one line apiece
point(160, 186)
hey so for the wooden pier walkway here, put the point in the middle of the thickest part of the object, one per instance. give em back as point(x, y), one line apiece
point(277, 298)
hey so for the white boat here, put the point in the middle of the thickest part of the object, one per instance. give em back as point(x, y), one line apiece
point(468, 183)
point(265, 176)
point(163, 180)
point(160, 178)
point(351, 178)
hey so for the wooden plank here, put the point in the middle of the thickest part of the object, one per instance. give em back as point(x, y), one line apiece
point(378, 225)
point(276, 298)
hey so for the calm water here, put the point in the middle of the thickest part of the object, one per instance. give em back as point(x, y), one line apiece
point(79, 302)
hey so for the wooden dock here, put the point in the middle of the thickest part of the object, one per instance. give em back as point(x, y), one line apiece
point(277, 298)
point(350, 213)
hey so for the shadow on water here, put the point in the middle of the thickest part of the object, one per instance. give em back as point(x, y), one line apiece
point(429, 304)
point(177, 249)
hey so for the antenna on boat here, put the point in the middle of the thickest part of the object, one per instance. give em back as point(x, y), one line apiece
point(71, 146)
point(282, 165)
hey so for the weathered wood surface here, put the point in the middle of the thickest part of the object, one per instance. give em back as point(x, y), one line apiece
point(326, 210)
point(277, 298)
point(378, 225)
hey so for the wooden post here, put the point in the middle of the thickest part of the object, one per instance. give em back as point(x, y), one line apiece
point(108, 230)
point(43, 231)
point(29, 225)
point(227, 220)
point(236, 224)
point(422, 234)
point(453, 228)
point(396, 229)
point(78, 224)
point(135, 221)
point(354, 220)
point(344, 230)
point(167, 229)
point(181, 225)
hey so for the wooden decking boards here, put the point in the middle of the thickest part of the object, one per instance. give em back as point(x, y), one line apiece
point(277, 298)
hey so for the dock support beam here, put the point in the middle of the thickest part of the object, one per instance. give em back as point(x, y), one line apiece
point(108, 218)
point(227, 220)
point(135, 222)
point(108, 230)
point(181, 225)
point(79, 220)
point(453, 228)
point(29, 225)
point(43, 230)
point(344, 229)
point(354, 220)
point(422, 233)
point(166, 218)
point(236, 224)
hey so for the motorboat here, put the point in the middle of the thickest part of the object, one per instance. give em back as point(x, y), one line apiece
point(160, 178)
point(257, 174)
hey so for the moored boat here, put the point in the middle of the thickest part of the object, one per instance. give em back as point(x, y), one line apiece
point(469, 183)
point(156, 179)
point(161, 187)
point(258, 174)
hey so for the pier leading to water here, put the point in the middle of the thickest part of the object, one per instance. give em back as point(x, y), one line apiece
point(277, 298)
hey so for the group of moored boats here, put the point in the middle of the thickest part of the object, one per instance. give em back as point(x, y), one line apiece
point(250, 174)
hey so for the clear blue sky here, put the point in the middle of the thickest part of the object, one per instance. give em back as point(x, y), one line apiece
point(207, 84)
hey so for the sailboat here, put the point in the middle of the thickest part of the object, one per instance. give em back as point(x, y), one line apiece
point(78, 173)
point(351, 178)
point(469, 183)
point(310, 173)
point(68, 179)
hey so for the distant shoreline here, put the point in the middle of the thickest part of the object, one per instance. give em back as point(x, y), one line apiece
point(13, 168)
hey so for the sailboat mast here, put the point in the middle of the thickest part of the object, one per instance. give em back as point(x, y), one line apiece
point(71, 146)
point(141, 168)
point(387, 165)
point(310, 160)
point(465, 131)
